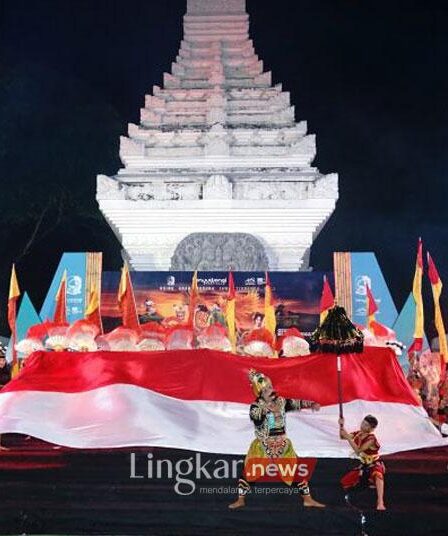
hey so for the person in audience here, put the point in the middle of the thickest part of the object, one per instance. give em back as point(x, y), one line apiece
point(5, 369)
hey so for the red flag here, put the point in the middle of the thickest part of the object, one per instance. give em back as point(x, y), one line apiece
point(60, 312)
point(126, 301)
point(326, 300)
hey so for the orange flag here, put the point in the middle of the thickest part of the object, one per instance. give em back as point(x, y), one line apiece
point(194, 296)
point(230, 312)
point(126, 301)
point(270, 322)
point(436, 286)
point(417, 344)
point(60, 312)
point(93, 311)
point(326, 300)
point(14, 293)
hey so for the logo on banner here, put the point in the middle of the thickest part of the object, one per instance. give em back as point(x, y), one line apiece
point(74, 285)
point(361, 283)
point(170, 281)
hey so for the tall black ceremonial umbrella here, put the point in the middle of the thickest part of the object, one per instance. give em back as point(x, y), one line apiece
point(337, 335)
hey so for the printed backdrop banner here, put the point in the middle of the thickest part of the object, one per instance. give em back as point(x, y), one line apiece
point(366, 271)
point(75, 266)
point(164, 296)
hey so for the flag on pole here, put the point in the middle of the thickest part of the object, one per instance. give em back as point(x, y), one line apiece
point(326, 300)
point(14, 293)
point(372, 308)
point(93, 312)
point(194, 295)
point(60, 312)
point(436, 286)
point(269, 311)
point(417, 344)
point(230, 312)
point(126, 300)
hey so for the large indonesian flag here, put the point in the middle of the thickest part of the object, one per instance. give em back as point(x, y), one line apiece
point(199, 400)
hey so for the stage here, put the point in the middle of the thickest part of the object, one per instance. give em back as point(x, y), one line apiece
point(47, 490)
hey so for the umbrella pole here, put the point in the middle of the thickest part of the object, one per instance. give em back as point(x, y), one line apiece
point(339, 371)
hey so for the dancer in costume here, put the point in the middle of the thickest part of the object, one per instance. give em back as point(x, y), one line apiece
point(371, 469)
point(271, 444)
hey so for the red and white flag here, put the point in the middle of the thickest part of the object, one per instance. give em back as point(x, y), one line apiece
point(199, 400)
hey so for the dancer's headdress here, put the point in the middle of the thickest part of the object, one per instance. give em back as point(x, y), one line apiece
point(259, 382)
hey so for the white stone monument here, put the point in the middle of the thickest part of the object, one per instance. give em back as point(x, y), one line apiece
point(218, 174)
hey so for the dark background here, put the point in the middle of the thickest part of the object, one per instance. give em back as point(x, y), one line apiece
point(369, 76)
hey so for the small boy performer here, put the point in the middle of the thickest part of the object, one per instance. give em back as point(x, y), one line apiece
point(371, 470)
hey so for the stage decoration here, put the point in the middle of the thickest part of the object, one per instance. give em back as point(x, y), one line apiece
point(259, 343)
point(153, 330)
point(27, 346)
point(57, 339)
point(102, 344)
point(118, 399)
point(14, 294)
point(121, 339)
point(152, 337)
point(180, 338)
point(292, 344)
point(214, 337)
point(417, 344)
point(436, 286)
point(41, 331)
point(150, 345)
point(81, 335)
point(326, 300)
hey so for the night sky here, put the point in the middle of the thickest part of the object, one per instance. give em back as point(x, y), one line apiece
point(370, 77)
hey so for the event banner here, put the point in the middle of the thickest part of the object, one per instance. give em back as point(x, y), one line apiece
point(353, 273)
point(164, 296)
point(82, 270)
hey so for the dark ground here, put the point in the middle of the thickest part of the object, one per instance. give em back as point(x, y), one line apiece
point(45, 491)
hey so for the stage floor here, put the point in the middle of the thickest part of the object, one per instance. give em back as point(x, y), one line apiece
point(65, 491)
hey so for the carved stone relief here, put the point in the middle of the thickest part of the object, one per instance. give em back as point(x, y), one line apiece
point(220, 251)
